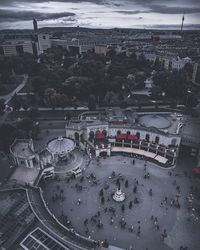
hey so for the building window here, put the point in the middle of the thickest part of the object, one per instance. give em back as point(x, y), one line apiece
point(119, 132)
point(157, 139)
point(173, 142)
point(104, 132)
point(147, 137)
point(19, 49)
point(138, 135)
point(128, 132)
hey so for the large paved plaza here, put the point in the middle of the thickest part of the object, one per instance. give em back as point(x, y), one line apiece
point(141, 225)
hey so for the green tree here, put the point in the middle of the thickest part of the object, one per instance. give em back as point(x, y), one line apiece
point(38, 84)
point(50, 97)
point(26, 124)
point(16, 102)
point(7, 136)
point(2, 105)
point(92, 102)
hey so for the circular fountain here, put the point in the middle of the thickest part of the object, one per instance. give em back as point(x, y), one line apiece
point(119, 196)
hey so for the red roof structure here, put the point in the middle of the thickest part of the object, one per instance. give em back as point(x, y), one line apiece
point(99, 136)
point(128, 137)
point(121, 136)
point(132, 138)
point(196, 170)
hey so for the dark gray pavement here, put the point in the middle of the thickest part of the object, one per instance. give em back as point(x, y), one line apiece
point(179, 230)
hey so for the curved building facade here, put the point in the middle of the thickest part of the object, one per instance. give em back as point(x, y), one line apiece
point(155, 134)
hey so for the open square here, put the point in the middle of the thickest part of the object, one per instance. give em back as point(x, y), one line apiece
point(83, 209)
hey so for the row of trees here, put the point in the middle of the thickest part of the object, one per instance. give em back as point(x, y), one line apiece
point(23, 64)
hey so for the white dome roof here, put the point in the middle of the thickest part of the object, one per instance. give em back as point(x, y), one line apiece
point(156, 121)
point(60, 146)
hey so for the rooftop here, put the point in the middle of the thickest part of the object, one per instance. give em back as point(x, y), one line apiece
point(60, 145)
point(16, 42)
point(163, 123)
point(25, 175)
point(157, 121)
point(39, 239)
point(22, 148)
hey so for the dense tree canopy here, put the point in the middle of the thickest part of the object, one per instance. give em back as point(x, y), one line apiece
point(22, 129)
point(61, 79)
point(174, 84)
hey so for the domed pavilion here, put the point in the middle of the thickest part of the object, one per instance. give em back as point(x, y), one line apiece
point(60, 147)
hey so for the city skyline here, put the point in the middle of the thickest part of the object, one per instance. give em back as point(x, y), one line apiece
point(100, 14)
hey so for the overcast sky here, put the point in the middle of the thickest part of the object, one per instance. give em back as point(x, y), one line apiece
point(100, 13)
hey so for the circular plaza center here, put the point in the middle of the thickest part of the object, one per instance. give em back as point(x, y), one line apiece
point(153, 214)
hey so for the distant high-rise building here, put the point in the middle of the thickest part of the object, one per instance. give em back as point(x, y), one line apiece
point(35, 26)
point(183, 18)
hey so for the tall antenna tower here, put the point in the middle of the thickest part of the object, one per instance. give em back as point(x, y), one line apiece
point(35, 26)
point(183, 18)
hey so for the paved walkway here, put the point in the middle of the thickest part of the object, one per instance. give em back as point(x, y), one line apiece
point(9, 96)
point(63, 234)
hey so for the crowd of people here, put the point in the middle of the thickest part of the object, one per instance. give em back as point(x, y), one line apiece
point(108, 207)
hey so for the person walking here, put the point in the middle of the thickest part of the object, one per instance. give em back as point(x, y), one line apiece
point(164, 234)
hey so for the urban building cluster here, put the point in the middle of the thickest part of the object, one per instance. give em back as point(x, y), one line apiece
point(172, 50)
point(99, 177)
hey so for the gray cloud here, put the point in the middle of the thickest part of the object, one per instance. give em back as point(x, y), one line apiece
point(8, 15)
point(107, 7)
point(116, 3)
point(162, 9)
point(15, 2)
point(130, 12)
point(156, 6)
